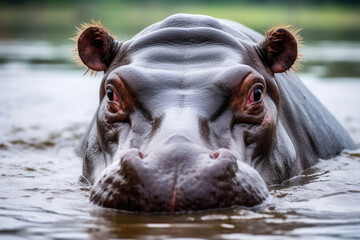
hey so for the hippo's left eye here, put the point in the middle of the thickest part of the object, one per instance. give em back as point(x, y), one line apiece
point(111, 95)
point(255, 96)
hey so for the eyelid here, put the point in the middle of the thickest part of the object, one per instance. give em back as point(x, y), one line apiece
point(112, 81)
point(232, 77)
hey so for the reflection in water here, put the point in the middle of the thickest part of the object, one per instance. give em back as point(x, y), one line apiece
point(45, 110)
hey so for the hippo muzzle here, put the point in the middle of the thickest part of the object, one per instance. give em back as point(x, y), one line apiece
point(178, 177)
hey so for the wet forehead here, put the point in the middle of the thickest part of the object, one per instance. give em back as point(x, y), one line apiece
point(185, 59)
point(190, 47)
point(178, 58)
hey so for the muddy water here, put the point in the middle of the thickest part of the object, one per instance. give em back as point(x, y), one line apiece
point(46, 105)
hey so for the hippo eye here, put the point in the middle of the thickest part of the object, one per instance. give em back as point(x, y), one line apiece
point(111, 95)
point(255, 97)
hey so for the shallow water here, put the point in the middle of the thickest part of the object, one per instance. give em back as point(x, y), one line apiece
point(46, 105)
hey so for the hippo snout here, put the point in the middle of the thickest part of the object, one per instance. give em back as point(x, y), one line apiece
point(177, 179)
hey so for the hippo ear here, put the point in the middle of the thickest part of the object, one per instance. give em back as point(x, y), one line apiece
point(279, 49)
point(96, 47)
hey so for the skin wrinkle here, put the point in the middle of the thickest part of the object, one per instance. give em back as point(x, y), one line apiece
point(205, 131)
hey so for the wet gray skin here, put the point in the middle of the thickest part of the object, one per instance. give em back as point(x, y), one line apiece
point(197, 113)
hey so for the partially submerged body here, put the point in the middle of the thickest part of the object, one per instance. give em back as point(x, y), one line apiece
point(197, 113)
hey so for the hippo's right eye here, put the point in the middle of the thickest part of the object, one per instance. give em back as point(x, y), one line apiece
point(111, 95)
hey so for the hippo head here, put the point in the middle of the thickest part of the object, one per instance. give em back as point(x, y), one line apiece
point(188, 115)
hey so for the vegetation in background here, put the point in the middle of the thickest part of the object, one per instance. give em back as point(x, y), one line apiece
point(55, 20)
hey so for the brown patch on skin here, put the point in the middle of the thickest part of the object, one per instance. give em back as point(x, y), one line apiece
point(119, 111)
point(156, 123)
point(205, 130)
point(79, 30)
point(241, 117)
point(263, 137)
point(237, 101)
point(173, 199)
point(273, 92)
point(279, 49)
point(253, 113)
point(263, 129)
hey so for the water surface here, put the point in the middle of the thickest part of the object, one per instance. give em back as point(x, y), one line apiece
point(46, 106)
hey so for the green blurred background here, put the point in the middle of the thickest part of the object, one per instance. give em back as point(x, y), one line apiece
point(39, 31)
point(55, 20)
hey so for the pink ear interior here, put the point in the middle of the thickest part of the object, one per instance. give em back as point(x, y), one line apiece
point(94, 46)
point(279, 50)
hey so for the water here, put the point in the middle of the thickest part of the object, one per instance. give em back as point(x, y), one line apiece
point(46, 105)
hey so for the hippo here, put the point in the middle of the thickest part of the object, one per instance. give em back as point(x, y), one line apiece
point(197, 113)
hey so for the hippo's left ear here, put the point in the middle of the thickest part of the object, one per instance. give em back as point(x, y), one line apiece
point(96, 46)
point(279, 49)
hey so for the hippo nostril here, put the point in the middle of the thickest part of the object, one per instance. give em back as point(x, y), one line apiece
point(222, 154)
point(134, 154)
point(133, 159)
point(131, 164)
point(215, 155)
point(224, 166)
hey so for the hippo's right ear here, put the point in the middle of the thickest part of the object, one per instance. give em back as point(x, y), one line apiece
point(279, 49)
point(95, 46)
